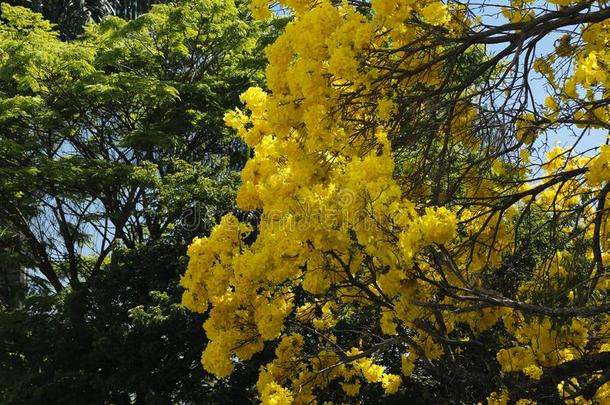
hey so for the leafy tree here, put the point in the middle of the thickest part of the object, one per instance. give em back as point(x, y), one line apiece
point(415, 231)
point(114, 154)
point(109, 140)
point(71, 16)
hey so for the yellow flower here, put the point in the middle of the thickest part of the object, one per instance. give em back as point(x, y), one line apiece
point(435, 13)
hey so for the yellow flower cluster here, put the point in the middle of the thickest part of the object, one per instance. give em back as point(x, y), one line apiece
point(337, 224)
point(541, 344)
point(599, 168)
point(330, 204)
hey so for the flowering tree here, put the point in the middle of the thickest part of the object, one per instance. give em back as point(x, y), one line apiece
point(410, 211)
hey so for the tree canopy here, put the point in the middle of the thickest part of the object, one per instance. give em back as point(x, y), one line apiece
point(113, 156)
point(70, 16)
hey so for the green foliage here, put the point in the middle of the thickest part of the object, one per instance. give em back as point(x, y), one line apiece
point(113, 155)
point(121, 132)
point(70, 16)
point(122, 336)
